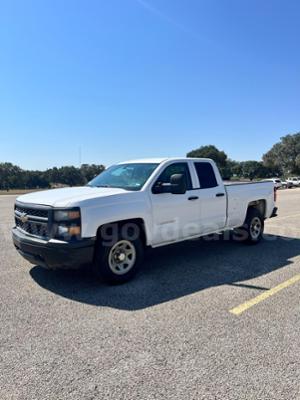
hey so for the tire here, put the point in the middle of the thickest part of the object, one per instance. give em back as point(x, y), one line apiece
point(252, 230)
point(119, 260)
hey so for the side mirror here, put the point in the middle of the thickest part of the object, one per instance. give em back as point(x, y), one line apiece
point(178, 184)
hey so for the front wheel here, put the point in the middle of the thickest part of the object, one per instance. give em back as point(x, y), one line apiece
point(252, 230)
point(119, 261)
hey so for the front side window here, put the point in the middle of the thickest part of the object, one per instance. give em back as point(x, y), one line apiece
point(125, 176)
point(206, 175)
point(176, 168)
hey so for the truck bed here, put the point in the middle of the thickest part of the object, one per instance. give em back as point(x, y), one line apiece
point(240, 194)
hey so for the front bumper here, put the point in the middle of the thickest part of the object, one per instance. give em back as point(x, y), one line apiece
point(54, 254)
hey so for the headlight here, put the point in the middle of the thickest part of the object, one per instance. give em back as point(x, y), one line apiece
point(68, 231)
point(66, 215)
point(67, 225)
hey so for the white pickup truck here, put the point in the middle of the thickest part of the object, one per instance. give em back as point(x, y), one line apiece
point(131, 205)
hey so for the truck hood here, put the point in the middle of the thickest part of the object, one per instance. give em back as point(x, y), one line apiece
point(68, 197)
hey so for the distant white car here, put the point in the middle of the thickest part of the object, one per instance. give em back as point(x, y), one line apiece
point(277, 182)
point(295, 181)
point(286, 184)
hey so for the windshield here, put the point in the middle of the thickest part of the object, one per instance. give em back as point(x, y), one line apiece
point(124, 176)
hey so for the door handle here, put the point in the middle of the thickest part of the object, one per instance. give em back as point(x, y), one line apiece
point(193, 198)
point(220, 194)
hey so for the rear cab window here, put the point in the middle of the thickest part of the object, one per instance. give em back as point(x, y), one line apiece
point(206, 175)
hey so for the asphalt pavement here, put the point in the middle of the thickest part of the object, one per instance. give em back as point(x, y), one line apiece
point(168, 334)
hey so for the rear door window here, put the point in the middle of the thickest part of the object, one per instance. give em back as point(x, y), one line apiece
point(206, 175)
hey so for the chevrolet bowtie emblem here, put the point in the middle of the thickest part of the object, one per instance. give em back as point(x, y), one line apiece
point(24, 217)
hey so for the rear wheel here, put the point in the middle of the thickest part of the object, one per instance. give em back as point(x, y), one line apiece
point(252, 230)
point(118, 261)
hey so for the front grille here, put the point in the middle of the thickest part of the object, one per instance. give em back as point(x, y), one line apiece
point(33, 221)
point(36, 212)
point(33, 228)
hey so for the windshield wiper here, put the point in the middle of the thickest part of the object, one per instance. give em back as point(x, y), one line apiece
point(104, 186)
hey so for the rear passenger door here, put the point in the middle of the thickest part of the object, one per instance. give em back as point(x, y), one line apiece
point(212, 199)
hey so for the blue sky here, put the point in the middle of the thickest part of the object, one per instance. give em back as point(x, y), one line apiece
point(125, 79)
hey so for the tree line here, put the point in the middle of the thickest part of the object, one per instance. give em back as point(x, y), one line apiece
point(281, 160)
point(14, 177)
point(235, 169)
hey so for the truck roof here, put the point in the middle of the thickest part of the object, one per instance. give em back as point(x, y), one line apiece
point(144, 161)
point(160, 160)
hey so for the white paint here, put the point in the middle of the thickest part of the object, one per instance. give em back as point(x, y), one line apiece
point(168, 218)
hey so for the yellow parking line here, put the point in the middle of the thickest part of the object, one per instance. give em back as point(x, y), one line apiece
point(250, 303)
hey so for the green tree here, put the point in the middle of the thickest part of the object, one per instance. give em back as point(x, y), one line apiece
point(210, 151)
point(89, 171)
point(236, 168)
point(35, 179)
point(285, 155)
point(71, 176)
point(233, 168)
point(256, 169)
point(53, 175)
point(219, 157)
point(13, 177)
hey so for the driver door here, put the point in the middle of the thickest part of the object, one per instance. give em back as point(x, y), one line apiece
point(175, 216)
